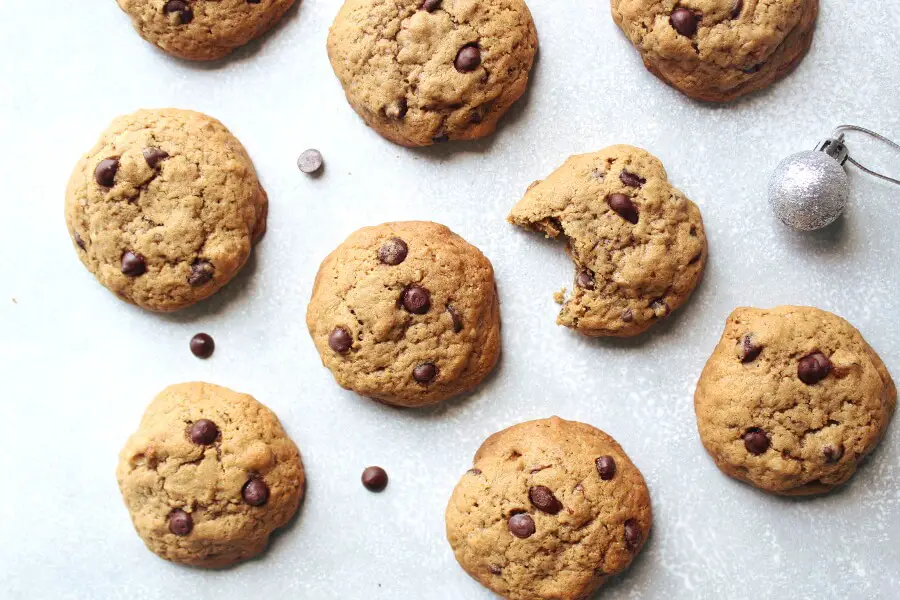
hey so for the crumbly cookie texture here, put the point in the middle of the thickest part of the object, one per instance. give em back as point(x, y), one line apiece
point(792, 399)
point(718, 50)
point(638, 243)
point(550, 510)
point(406, 313)
point(209, 475)
point(424, 72)
point(165, 208)
point(202, 29)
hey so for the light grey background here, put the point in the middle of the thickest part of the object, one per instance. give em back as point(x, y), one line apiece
point(78, 366)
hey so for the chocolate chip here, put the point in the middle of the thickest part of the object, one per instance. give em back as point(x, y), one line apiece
point(310, 161)
point(393, 252)
point(79, 241)
point(457, 320)
point(180, 522)
point(105, 173)
point(833, 454)
point(585, 279)
point(340, 340)
point(431, 5)
point(495, 569)
point(154, 156)
point(736, 8)
point(201, 273)
point(543, 499)
point(425, 373)
point(204, 432)
point(440, 139)
point(474, 471)
point(631, 179)
point(624, 207)
point(684, 21)
point(660, 308)
point(628, 315)
point(633, 535)
point(521, 525)
point(750, 350)
point(813, 368)
point(416, 299)
point(253, 1)
point(375, 479)
point(133, 264)
point(606, 467)
point(398, 109)
point(756, 441)
point(185, 14)
point(255, 492)
point(202, 345)
point(468, 58)
point(754, 69)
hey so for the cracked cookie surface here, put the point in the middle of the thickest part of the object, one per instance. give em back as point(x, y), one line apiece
point(165, 208)
point(550, 510)
point(638, 243)
point(209, 475)
point(718, 50)
point(202, 29)
point(792, 399)
point(424, 72)
point(406, 313)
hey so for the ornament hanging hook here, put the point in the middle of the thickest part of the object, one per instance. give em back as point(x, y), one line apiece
point(836, 144)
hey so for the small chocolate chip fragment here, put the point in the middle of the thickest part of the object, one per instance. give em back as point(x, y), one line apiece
point(456, 319)
point(310, 161)
point(180, 522)
point(425, 373)
point(185, 14)
point(660, 308)
point(201, 273)
point(340, 340)
point(833, 454)
point(624, 207)
point(754, 69)
point(633, 535)
point(585, 279)
point(204, 432)
point(202, 345)
point(393, 252)
point(521, 525)
point(756, 441)
point(606, 467)
point(253, 1)
point(105, 173)
point(750, 349)
point(543, 499)
point(133, 264)
point(416, 299)
point(440, 139)
point(375, 479)
point(154, 156)
point(684, 21)
point(255, 492)
point(737, 8)
point(813, 368)
point(468, 59)
point(474, 471)
point(431, 5)
point(79, 240)
point(632, 179)
point(628, 315)
point(495, 569)
point(398, 109)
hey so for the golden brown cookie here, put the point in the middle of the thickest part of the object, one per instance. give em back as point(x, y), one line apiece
point(637, 242)
point(420, 72)
point(209, 475)
point(718, 50)
point(406, 313)
point(792, 399)
point(165, 208)
point(202, 29)
point(550, 510)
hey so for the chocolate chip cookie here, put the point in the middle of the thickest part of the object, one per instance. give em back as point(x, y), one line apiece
point(424, 72)
point(406, 313)
point(165, 208)
point(202, 29)
point(792, 399)
point(209, 475)
point(718, 50)
point(550, 510)
point(637, 242)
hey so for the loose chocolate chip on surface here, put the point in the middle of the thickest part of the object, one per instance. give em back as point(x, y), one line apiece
point(606, 467)
point(736, 8)
point(340, 340)
point(543, 499)
point(416, 299)
point(202, 345)
point(624, 207)
point(521, 525)
point(633, 535)
point(813, 368)
point(133, 264)
point(750, 350)
point(180, 522)
point(756, 441)
point(154, 156)
point(456, 319)
point(204, 432)
point(684, 21)
point(431, 5)
point(425, 373)
point(255, 492)
point(310, 161)
point(79, 240)
point(185, 14)
point(375, 479)
point(631, 179)
point(833, 454)
point(105, 173)
point(468, 59)
point(201, 273)
point(393, 252)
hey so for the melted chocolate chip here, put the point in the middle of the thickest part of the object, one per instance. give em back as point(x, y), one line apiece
point(375, 479)
point(105, 172)
point(180, 522)
point(202, 345)
point(606, 467)
point(684, 21)
point(521, 525)
point(750, 350)
point(624, 207)
point(468, 59)
point(393, 252)
point(737, 8)
point(833, 454)
point(154, 156)
point(203, 432)
point(425, 373)
point(201, 273)
point(633, 535)
point(456, 319)
point(340, 340)
point(416, 299)
point(543, 499)
point(813, 368)
point(756, 441)
point(631, 179)
point(133, 264)
point(185, 14)
point(585, 279)
point(431, 5)
point(255, 492)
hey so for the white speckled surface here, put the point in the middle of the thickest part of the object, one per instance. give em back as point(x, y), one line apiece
point(78, 366)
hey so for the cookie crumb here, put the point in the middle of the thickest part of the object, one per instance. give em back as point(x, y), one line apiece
point(560, 297)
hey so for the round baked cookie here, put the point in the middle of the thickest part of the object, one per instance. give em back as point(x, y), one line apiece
point(406, 313)
point(792, 399)
point(165, 208)
point(202, 29)
point(718, 50)
point(420, 72)
point(209, 475)
point(550, 510)
point(637, 242)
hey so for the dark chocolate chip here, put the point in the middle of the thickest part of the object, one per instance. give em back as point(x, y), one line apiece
point(431, 5)
point(185, 14)
point(544, 500)
point(756, 441)
point(624, 207)
point(425, 373)
point(253, 1)
point(310, 161)
point(750, 350)
point(202, 345)
point(375, 479)
point(456, 318)
point(737, 8)
point(521, 525)
point(495, 569)
point(684, 21)
point(79, 241)
point(813, 368)
point(105, 173)
point(416, 299)
point(833, 454)
point(133, 264)
point(340, 340)
point(632, 179)
point(255, 492)
point(393, 252)
point(468, 58)
point(154, 156)
point(201, 273)
point(606, 467)
point(633, 535)
point(474, 471)
point(180, 522)
point(628, 315)
point(204, 432)
point(585, 279)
